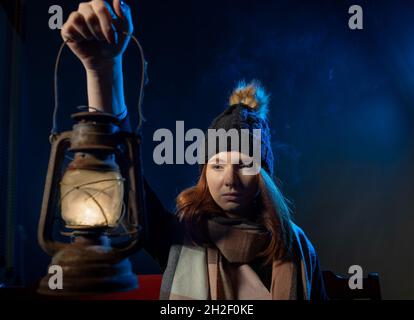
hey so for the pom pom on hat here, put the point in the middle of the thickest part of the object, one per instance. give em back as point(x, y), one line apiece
point(252, 95)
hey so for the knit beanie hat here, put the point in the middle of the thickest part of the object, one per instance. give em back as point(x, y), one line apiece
point(248, 106)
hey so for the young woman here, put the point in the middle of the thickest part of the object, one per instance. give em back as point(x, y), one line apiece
point(232, 236)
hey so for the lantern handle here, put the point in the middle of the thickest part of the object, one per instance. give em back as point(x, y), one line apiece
point(144, 81)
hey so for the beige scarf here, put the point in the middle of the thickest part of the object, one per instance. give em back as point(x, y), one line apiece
point(223, 272)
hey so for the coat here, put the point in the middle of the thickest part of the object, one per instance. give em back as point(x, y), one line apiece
point(166, 237)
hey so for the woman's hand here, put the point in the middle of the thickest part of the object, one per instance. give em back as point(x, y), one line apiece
point(91, 33)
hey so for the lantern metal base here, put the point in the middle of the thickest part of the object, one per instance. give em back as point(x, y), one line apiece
point(88, 268)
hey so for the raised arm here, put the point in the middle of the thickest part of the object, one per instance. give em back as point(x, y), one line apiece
point(91, 36)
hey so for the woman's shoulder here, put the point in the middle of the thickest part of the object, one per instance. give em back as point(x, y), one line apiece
point(305, 245)
point(311, 263)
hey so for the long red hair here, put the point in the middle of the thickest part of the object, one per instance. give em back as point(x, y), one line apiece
point(195, 205)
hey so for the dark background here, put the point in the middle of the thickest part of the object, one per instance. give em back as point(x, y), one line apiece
point(341, 111)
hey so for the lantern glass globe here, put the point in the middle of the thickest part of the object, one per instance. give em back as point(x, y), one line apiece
point(91, 198)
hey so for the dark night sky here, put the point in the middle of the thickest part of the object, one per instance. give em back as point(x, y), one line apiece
point(342, 111)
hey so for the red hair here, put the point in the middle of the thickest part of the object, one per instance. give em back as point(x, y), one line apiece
point(195, 205)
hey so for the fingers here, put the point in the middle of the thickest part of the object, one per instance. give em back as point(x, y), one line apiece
point(70, 31)
point(105, 19)
point(79, 23)
point(91, 20)
point(123, 12)
point(118, 9)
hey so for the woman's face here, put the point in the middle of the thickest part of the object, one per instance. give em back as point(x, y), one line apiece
point(231, 188)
